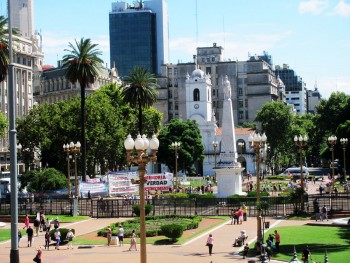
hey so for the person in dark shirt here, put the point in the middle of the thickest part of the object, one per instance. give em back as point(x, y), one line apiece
point(30, 233)
point(306, 255)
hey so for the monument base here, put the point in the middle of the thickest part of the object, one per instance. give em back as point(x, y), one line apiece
point(229, 181)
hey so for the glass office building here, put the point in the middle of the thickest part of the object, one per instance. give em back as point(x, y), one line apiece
point(138, 36)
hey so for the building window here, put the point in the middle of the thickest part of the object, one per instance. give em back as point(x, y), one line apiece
point(240, 104)
point(246, 103)
point(240, 92)
point(196, 95)
point(246, 115)
point(213, 59)
point(175, 71)
point(240, 115)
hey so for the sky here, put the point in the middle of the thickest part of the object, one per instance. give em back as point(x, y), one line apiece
point(311, 36)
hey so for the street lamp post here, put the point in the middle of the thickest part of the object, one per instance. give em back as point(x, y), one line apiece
point(344, 143)
point(67, 150)
point(75, 150)
point(176, 147)
point(332, 140)
point(141, 145)
point(257, 142)
point(19, 154)
point(215, 145)
point(301, 142)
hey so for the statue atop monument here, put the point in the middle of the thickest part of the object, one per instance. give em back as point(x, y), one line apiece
point(227, 89)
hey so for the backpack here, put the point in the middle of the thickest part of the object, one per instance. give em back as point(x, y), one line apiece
point(324, 209)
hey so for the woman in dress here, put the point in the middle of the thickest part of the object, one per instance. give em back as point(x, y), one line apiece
point(133, 241)
point(210, 243)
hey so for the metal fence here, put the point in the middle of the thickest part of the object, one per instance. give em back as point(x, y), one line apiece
point(113, 207)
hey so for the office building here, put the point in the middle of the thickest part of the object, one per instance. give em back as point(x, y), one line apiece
point(253, 83)
point(138, 35)
point(296, 92)
point(22, 14)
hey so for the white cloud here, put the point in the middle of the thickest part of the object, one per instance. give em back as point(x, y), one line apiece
point(326, 85)
point(342, 9)
point(54, 45)
point(314, 7)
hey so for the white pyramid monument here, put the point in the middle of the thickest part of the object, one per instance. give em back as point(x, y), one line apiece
point(228, 170)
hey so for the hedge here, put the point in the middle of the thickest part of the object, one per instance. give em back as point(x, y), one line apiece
point(173, 231)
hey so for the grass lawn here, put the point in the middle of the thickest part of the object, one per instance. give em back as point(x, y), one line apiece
point(67, 218)
point(157, 240)
point(5, 234)
point(336, 240)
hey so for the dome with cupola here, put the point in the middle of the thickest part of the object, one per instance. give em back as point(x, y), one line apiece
point(197, 73)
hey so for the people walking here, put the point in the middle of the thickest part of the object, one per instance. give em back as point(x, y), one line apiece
point(324, 213)
point(48, 224)
point(133, 241)
point(109, 235)
point(30, 234)
point(69, 237)
point(245, 212)
point(121, 235)
point(26, 222)
point(245, 250)
point(47, 239)
point(210, 244)
point(37, 226)
point(58, 238)
point(38, 255)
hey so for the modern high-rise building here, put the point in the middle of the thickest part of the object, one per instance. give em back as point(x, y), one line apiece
point(296, 92)
point(138, 35)
point(22, 15)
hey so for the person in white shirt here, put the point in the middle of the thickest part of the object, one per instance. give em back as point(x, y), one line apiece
point(121, 235)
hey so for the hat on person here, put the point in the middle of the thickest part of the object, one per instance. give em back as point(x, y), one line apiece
point(242, 231)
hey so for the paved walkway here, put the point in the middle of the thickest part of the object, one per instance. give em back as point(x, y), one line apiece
point(193, 251)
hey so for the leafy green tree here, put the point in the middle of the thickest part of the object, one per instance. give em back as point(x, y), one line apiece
point(140, 92)
point(83, 65)
point(47, 179)
point(276, 120)
point(191, 149)
point(333, 112)
point(49, 126)
point(3, 124)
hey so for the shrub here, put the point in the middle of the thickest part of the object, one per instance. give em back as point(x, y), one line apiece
point(63, 232)
point(172, 231)
point(136, 209)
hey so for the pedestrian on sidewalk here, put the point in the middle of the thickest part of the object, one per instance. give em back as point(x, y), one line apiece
point(47, 239)
point(324, 213)
point(30, 234)
point(69, 237)
point(245, 212)
point(109, 235)
point(26, 222)
point(210, 243)
point(133, 241)
point(38, 255)
point(48, 224)
point(37, 226)
point(58, 238)
point(121, 235)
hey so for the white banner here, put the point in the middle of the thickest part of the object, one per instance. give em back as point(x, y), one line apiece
point(160, 182)
point(120, 183)
point(94, 188)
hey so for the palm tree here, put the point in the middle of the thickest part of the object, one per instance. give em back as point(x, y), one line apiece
point(140, 91)
point(4, 47)
point(82, 65)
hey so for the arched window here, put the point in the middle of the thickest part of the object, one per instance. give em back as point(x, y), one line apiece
point(196, 95)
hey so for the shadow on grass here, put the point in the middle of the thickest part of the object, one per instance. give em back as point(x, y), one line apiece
point(165, 241)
